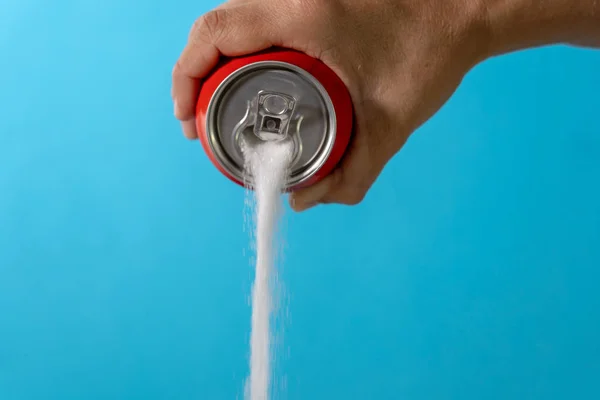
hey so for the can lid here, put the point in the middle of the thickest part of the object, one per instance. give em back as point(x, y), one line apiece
point(267, 98)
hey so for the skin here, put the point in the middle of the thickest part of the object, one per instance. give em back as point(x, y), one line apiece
point(400, 59)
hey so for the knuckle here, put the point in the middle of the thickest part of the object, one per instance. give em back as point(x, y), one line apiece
point(178, 69)
point(182, 70)
point(211, 26)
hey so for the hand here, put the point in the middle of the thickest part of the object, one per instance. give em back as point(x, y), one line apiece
point(400, 59)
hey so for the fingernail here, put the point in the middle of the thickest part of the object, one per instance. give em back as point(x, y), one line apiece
point(175, 108)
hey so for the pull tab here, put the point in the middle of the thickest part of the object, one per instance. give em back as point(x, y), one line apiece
point(273, 115)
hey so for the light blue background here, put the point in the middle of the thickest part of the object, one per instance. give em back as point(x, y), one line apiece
point(471, 271)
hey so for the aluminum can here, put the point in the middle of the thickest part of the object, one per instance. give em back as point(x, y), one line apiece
point(275, 95)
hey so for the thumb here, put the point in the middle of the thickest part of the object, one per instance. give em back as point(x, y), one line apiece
point(309, 197)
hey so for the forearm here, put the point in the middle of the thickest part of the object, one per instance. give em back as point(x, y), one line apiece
point(520, 24)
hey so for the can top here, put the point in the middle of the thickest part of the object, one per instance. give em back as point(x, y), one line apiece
point(270, 99)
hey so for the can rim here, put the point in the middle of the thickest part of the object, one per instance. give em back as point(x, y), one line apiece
point(340, 105)
point(214, 139)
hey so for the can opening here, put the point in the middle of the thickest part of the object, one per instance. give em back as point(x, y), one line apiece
point(272, 113)
point(270, 117)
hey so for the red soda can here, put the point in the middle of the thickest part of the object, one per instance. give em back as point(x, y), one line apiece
point(275, 95)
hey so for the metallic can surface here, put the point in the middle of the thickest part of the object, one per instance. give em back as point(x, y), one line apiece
point(275, 95)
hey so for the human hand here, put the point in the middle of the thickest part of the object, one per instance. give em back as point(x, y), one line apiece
point(400, 59)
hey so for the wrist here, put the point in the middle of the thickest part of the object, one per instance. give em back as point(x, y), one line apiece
point(520, 24)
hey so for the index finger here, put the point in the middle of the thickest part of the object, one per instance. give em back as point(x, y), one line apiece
point(230, 30)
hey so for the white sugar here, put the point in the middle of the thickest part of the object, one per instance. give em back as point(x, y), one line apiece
point(268, 164)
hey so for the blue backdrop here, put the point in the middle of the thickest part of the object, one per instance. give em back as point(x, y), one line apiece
point(470, 271)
